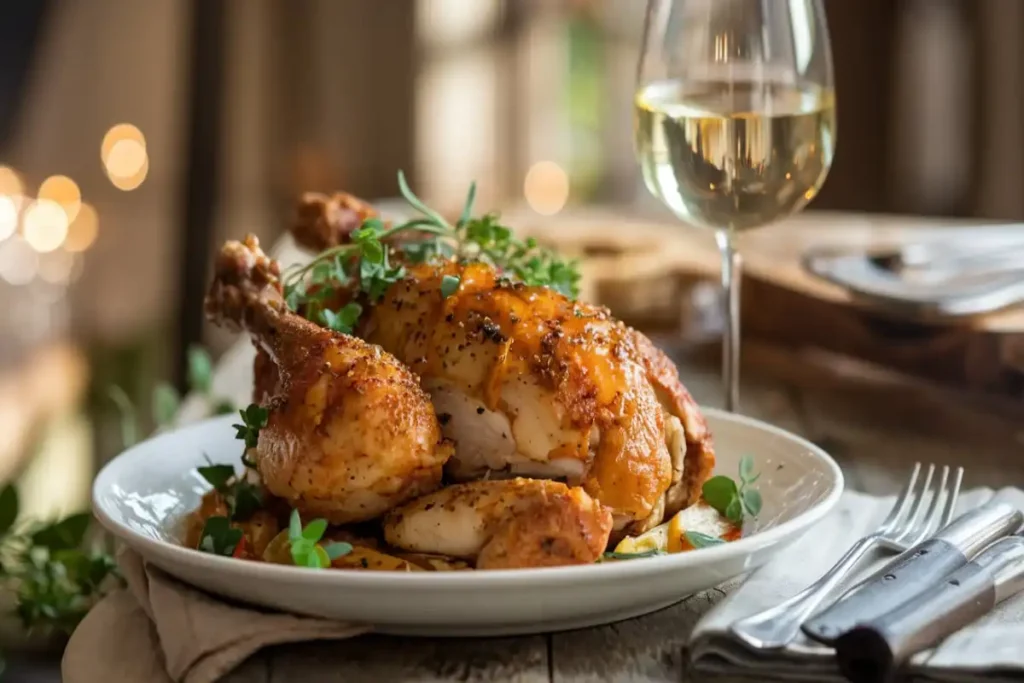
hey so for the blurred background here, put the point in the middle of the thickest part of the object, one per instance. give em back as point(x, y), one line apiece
point(136, 136)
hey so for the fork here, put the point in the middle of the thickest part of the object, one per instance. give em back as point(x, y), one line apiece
point(906, 525)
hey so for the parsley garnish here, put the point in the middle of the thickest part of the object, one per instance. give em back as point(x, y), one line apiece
point(732, 501)
point(305, 546)
point(471, 238)
point(344, 320)
point(254, 418)
point(219, 537)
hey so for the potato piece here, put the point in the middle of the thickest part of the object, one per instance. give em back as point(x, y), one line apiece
point(368, 558)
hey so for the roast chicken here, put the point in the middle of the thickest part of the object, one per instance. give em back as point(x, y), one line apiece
point(528, 383)
point(350, 433)
point(504, 524)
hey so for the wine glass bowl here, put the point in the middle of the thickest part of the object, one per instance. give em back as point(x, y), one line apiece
point(735, 122)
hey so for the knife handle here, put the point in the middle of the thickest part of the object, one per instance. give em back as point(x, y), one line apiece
point(874, 650)
point(913, 573)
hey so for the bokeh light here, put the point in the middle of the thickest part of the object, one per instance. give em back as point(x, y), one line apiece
point(44, 225)
point(124, 156)
point(83, 230)
point(56, 267)
point(64, 191)
point(10, 182)
point(8, 217)
point(546, 187)
point(18, 261)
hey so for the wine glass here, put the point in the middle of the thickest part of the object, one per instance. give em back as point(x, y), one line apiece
point(734, 123)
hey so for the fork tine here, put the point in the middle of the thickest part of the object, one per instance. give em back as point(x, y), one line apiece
point(930, 519)
point(902, 500)
point(947, 513)
point(908, 524)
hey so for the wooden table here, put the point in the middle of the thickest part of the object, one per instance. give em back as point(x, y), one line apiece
point(874, 425)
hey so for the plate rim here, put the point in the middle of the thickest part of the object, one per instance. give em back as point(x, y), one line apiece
point(553, 576)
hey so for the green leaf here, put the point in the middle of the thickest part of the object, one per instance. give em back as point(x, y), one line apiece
point(746, 468)
point(127, 414)
point(313, 558)
point(467, 209)
point(323, 558)
point(752, 502)
point(336, 550)
point(244, 499)
point(8, 507)
point(224, 406)
point(699, 540)
point(633, 556)
point(449, 285)
point(166, 402)
point(217, 476)
point(200, 370)
point(373, 251)
point(719, 491)
point(418, 204)
point(734, 511)
point(345, 320)
point(254, 418)
point(314, 531)
point(66, 534)
point(219, 537)
point(294, 527)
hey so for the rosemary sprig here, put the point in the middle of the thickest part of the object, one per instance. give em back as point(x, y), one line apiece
point(368, 254)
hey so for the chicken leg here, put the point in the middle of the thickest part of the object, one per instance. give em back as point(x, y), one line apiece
point(350, 433)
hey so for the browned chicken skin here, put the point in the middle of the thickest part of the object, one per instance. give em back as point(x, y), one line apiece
point(531, 383)
point(504, 524)
point(350, 432)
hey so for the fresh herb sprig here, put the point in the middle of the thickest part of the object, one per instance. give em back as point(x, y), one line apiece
point(653, 552)
point(699, 540)
point(254, 418)
point(242, 496)
point(367, 255)
point(305, 545)
point(733, 500)
point(220, 538)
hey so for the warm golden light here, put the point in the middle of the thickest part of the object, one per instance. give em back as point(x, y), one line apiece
point(8, 217)
point(83, 230)
point(56, 267)
point(130, 182)
point(45, 225)
point(64, 191)
point(18, 262)
point(119, 133)
point(10, 182)
point(546, 187)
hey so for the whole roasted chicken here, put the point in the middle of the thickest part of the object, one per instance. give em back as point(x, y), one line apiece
point(350, 433)
point(528, 383)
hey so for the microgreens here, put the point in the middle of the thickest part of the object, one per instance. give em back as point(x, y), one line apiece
point(242, 496)
point(254, 418)
point(470, 239)
point(732, 500)
point(305, 546)
point(699, 540)
point(219, 537)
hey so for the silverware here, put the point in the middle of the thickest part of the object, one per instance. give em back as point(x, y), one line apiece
point(875, 650)
point(944, 259)
point(906, 525)
point(917, 570)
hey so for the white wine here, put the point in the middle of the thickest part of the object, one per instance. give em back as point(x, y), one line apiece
point(734, 155)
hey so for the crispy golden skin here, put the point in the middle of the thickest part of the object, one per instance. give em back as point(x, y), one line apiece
point(529, 383)
point(350, 432)
point(504, 524)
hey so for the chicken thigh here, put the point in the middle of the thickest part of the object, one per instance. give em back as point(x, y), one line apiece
point(504, 524)
point(350, 433)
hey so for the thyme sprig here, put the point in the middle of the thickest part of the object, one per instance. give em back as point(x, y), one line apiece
point(371, 247)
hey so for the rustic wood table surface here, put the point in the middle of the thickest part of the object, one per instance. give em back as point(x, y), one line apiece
point(875, 426)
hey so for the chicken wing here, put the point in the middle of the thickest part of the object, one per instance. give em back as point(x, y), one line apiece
point(504, 524)
point(350, 433)
point(529, 383)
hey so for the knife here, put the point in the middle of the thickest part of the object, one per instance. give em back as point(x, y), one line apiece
point(875, 650)
point(917, 570)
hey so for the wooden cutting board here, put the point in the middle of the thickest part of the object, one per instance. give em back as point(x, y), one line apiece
point(654, 274)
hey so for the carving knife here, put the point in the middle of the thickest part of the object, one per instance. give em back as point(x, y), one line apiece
point(875, 650)
point(917, 570)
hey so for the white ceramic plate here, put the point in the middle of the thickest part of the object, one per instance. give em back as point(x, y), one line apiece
point(142, 496)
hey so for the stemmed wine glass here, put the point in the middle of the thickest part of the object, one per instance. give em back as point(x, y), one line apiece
point(734, 122)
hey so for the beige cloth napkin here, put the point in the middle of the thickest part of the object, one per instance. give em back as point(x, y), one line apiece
point(159, 630)
point(991, 649)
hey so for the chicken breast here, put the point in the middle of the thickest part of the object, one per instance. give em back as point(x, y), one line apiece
point(504, 524)
point(350, 432)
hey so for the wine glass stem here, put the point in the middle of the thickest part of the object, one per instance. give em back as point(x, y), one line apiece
point(731, 276)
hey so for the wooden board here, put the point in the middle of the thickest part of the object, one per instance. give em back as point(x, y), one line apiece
point(654, 275)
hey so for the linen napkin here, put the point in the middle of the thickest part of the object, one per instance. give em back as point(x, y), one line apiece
point(991, 649)
point(159, 630)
